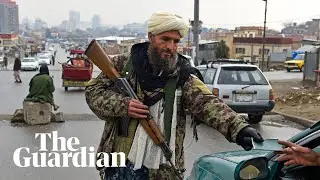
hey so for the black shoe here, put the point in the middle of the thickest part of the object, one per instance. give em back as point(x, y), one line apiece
point(20, 81)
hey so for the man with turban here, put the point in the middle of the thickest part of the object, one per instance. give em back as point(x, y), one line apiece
point(154, 69)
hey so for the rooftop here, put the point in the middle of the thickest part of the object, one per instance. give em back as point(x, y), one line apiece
point(259, 40)
point(115, 38)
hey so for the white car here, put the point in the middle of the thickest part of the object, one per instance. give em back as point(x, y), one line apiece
point(44, 59)
point(29, 63)
point(243, 87)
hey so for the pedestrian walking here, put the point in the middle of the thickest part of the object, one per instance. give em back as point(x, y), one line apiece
point(17, 69)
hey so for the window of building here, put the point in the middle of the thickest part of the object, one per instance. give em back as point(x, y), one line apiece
point(285, 50)
point(240, 50)
point(266, 51)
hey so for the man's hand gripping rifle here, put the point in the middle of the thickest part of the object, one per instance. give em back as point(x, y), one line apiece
point(96, 54)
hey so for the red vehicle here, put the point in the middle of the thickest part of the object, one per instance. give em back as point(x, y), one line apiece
point(77, 71)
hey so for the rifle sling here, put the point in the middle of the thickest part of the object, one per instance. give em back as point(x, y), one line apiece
point(169, 97)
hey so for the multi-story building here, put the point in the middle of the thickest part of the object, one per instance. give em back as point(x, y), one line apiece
point(249, 48)
point(96, 21)
point(295, 29)
point(9, 17)
point(8, 40)
point(314, 28)
point(249, 31)
point(74, 20)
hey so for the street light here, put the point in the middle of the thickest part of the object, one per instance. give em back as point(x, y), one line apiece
point(264, 33)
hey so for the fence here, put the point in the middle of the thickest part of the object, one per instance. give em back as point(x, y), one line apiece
point(311, 63)
point(280, 57)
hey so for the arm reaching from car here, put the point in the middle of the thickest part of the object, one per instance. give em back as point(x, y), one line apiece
point(295, 154)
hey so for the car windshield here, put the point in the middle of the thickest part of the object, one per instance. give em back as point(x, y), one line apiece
point(43, 57)
point(299, 57)
point(28, 60)
point(241, 76)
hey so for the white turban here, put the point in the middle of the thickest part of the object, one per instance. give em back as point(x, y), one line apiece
point(161, 22)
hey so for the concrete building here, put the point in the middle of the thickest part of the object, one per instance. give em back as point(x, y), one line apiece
point(251, 48)
point(295, 29)
point(248, 31)
point(8, 40)
point(314, 28)
point(96, 22)
point(9, 17)
point(74, 20)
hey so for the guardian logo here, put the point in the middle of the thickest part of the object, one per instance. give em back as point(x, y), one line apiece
point(68, 152)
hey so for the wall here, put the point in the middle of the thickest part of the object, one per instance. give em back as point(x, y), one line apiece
point(253, 49)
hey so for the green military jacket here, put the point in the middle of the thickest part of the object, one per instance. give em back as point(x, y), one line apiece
point(110, 106)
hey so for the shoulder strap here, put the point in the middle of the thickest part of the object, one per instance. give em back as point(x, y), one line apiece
point(169, 97)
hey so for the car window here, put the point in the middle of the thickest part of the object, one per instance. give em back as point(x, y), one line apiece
point(202, 71)
point(209, 75)
point(241, 76)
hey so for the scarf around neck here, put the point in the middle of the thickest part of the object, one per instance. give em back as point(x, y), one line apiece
point(152, 84)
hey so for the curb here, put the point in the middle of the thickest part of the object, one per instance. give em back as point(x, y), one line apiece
point(299, 120)
point(66, 117)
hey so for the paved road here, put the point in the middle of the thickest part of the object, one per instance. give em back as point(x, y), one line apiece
point(73, 101)
point(89, 132)
point(12, 94)
point(283, 75)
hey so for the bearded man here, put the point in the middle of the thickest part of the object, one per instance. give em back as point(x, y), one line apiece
point(154, 65)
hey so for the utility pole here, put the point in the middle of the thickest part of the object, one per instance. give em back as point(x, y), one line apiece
point(188, 48)
point(318, 34)
point(196, 31)
point(264, 33)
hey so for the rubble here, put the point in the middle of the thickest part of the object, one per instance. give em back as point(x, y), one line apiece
point(300, 97)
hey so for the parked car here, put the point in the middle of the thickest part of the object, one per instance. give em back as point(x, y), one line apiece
point(243, 87)
point(258, 163)
point(29, 63)
point(44, 59)
point(297, 63)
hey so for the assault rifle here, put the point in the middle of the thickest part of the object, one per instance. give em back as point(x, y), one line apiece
point(97, 55)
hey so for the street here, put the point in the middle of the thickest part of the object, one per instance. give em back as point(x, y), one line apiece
point(89, 131)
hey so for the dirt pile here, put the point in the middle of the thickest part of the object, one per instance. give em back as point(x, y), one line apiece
point(300, 97)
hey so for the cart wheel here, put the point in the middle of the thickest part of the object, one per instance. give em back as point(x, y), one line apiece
point(66, 88)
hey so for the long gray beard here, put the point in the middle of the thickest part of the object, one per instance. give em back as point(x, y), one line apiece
point(159, 64)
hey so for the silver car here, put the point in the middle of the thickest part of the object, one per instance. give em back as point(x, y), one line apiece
point(243, 87)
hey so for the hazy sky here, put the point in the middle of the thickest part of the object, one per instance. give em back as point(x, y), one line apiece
point(213, 13)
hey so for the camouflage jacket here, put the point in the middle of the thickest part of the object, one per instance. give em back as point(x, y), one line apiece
point(110, 106)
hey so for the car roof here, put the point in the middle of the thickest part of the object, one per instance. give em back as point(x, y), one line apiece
point(210, 65)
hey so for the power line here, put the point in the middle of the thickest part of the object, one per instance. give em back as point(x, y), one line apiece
point(269, 22)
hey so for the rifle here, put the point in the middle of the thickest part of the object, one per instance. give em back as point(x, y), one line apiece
point(97, 55)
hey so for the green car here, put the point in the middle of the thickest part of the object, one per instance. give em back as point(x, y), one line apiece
point(258, 164)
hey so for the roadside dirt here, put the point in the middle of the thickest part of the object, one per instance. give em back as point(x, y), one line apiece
point(296, 98)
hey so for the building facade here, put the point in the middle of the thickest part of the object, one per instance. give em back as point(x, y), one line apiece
point(8, 40)
point(251, 48)
point(74, 20)
point(9, 17)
